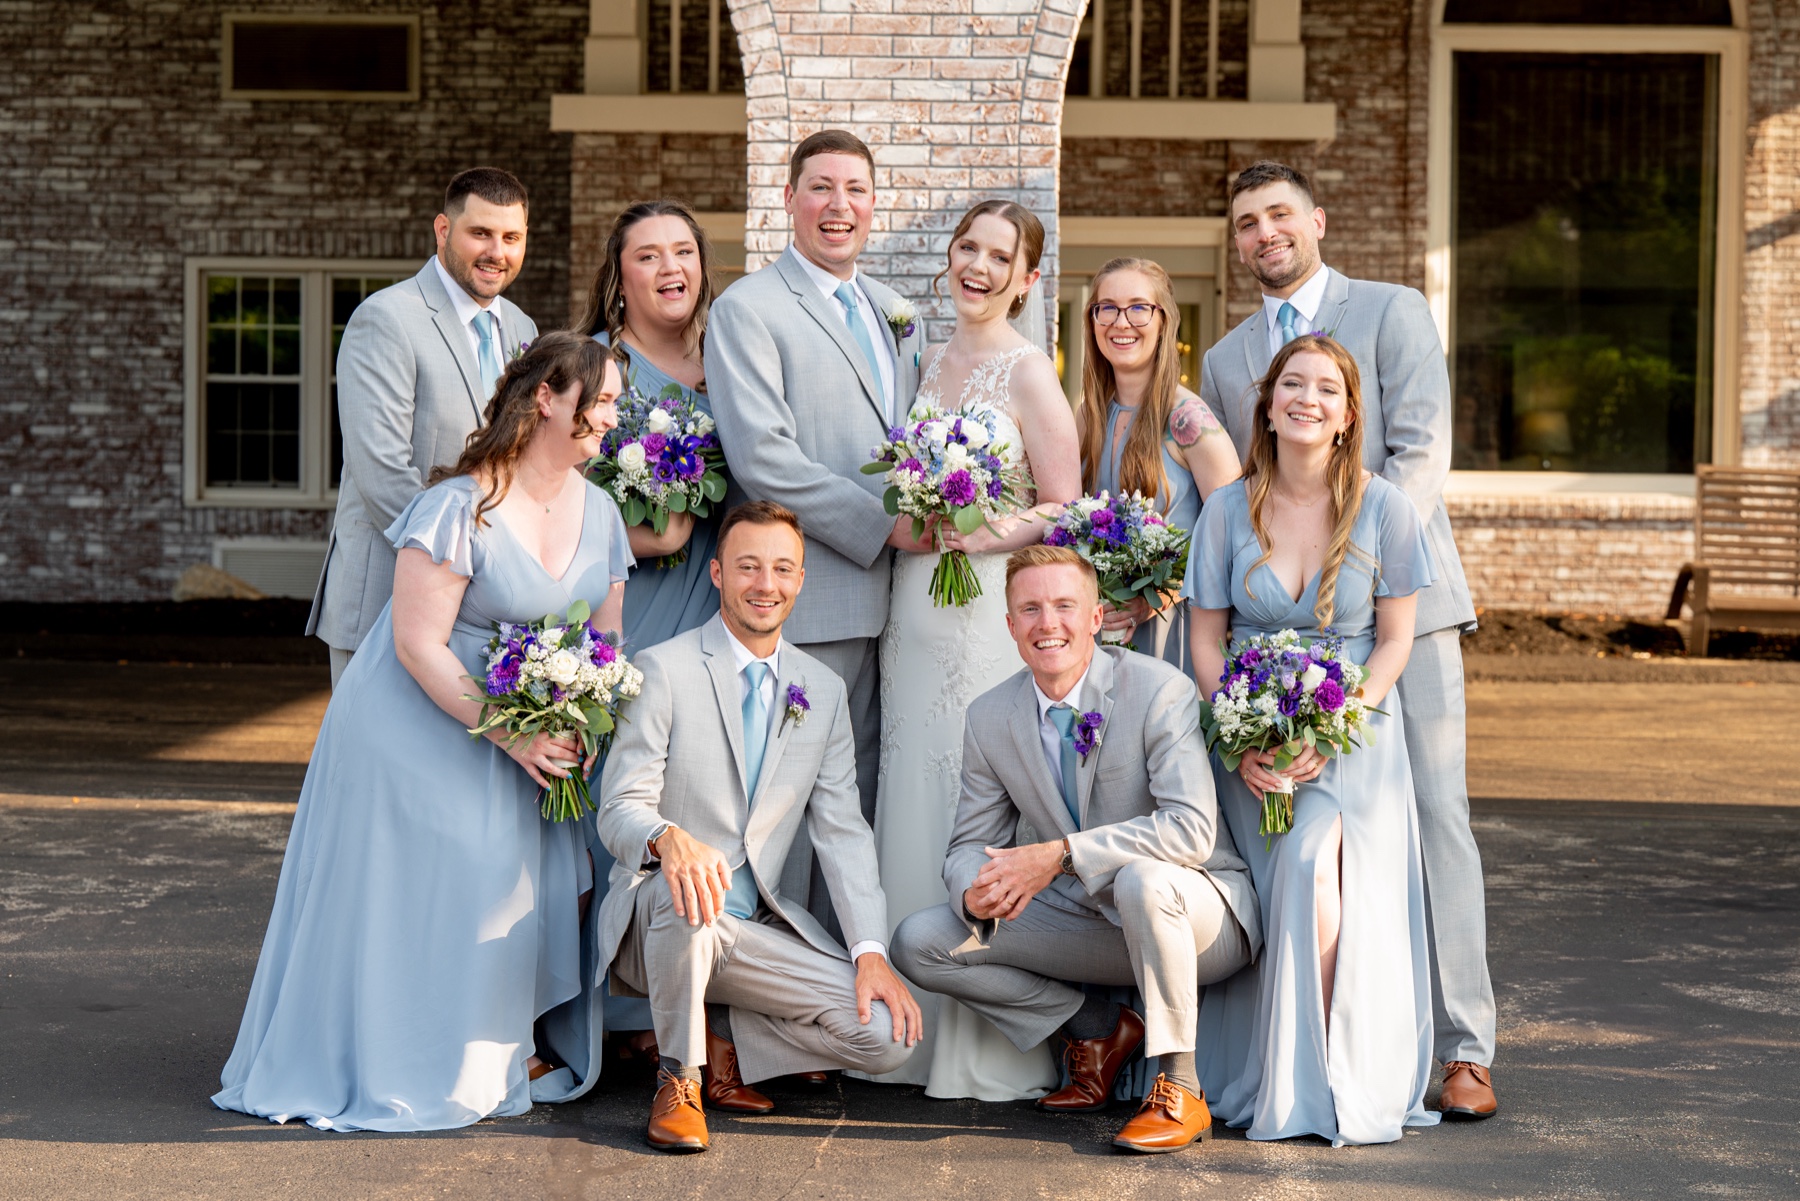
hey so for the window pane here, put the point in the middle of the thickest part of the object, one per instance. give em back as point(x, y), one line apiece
point(1588, 12)
point(251, 427)
point(318, 56)
point(347, 291)
point(221, 350)
point(252, 435)
point(1583, 235)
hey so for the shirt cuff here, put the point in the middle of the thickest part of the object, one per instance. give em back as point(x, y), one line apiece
point(866, 945)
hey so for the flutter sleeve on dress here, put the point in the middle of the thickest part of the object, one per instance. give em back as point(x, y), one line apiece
point(441, 522)
point(1208, 582)
point(1405, 556)
point(619, 558)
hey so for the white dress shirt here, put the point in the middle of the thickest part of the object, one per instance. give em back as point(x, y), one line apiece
point(1048, 734)
point(742, 655)
point(873, 319)
point(467, 309)
point(1306, 301)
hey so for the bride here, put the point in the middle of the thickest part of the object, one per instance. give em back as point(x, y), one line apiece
point(934, 661)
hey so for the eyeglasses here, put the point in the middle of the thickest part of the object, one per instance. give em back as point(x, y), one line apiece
point(1138, 315)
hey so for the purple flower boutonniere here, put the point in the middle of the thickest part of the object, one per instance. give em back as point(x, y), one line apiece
point(797, 706)
point(1087, 733)
point(901, 317)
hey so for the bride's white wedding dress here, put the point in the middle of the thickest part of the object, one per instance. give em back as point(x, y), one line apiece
point(934, 662)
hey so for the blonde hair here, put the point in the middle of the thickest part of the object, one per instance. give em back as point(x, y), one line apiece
point(1343, 471)
point(1141, 467)
point(1039, 555)
point(1030, 246)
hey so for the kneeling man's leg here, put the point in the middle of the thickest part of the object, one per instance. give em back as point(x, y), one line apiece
point(672, 963)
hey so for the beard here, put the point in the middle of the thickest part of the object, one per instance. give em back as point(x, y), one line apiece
point(463, 272)
point(1299, 267)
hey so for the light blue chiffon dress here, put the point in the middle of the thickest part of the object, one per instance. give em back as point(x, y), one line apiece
point(1267, 1058)
point(426, 917)
point(1166, 635)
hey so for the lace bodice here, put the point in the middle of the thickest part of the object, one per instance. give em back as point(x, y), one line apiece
point(986, 390)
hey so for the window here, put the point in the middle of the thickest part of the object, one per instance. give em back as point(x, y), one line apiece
point(261, 377)
point(1588, 12)
point(298, 56)
point(690, 46)
point(1196, 49)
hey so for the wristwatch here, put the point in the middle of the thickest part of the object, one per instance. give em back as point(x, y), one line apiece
point(650, 844)
point(1068, 859)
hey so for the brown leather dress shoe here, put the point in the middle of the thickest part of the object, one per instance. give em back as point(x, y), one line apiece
point(1093, 1065)
point(813, 1079)
point(677, 1123)
point(1169, 1119)
point(1468, 1092)
point(725, 1088)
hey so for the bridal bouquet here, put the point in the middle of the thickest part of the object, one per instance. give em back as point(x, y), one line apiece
point(1134, 551)
point(664, 457)
point(1278, 694)
point(951, 467)
point(562, 677)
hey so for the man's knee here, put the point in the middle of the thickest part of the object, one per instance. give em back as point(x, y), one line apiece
point(924, 944)
point(1146, 886)
point(871, 1048)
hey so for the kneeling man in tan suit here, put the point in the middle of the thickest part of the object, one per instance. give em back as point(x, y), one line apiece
point(737, 739)
point(1138, 883)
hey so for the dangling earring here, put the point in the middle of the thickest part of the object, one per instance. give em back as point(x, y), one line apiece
point(1271, 427)
point(1340, 439)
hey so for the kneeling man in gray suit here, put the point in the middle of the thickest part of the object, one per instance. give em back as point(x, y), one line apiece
point(738, 739)
point(1139, 885)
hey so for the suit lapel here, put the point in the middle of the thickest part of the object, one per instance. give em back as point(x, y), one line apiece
point(444, 317)
point(906, 369)
point(1096, 695)
point(1030, 746)
point(723, 669)
point(1256, 347)
point(831, 319)
point(1333, 306)
point(784, 729)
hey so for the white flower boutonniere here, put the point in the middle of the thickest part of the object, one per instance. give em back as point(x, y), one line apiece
point(797, 706)
point(902, 317)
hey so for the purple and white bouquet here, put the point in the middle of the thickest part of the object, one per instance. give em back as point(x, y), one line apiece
point(954, 467)
point(561, 677)
point(1134, 551)
point(1282, 695)
point(664, 457)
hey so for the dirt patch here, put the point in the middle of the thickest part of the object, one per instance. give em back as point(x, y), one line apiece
point(1597, 635)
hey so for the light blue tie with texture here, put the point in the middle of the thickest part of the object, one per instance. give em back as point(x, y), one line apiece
point(846, 296)
point(741, 900)
point(1063, 718)
point(487, 330)
point(1287, 314)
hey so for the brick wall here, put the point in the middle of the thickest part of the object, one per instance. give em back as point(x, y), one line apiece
point(124, 160)
point(1770, 373)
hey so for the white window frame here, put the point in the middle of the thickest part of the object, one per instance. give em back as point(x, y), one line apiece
point(1731, 45)
point(315, 490)
point(409, 21)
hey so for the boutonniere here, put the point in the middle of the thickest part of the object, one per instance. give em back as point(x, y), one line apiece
point(797, 706)
point(1087, 733)
point(902, 317)
point(519, 352)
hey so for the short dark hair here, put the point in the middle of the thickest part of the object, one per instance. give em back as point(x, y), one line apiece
point(490, 183)
point(758, 512)
point(828, 141)
point(1262, 174)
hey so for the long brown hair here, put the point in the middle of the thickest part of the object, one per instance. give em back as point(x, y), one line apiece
point(560, 358)
point(605, 312)
point(1141, 460)
point(1030, 246)
point(1343, 471)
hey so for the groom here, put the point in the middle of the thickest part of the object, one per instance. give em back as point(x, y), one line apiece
point(808, 362)
point(1139, 885)
point(737, 740)
point(1406, 439)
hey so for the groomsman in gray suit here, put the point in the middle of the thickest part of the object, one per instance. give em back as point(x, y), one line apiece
point(808, 363)
point(737, 741)
point(416, 369)
point(1140, 885)
point(1406, 439)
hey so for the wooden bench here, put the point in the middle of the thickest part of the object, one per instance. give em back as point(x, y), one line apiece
point(1746, 568)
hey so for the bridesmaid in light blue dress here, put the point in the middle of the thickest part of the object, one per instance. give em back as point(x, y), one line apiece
point(428, 962)
point(1178, 456)
point(1330, 1033)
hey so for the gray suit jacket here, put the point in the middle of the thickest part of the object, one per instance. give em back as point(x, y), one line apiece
point(1144, 792)
point(679, 758)
point(1406, 403)
point(799, 409)
point(409, 396)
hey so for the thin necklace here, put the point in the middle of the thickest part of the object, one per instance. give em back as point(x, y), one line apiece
point(1299, 504)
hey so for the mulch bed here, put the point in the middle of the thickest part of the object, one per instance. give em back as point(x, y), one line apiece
point(1511, 632)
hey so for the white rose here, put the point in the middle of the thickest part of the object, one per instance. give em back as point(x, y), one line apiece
point(703, 425)
point(976, 433)
point(1312, 677)
point(659, 421)
point(562, 668)
point(937, 433)
point(551, 638)
point(901, 311)
point(631, 457)
point(956, 458)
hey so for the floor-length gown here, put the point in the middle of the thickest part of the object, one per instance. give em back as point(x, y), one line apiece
point(1165, 635)
point(426, 917)
point(1269, 1060)
point(934, 662)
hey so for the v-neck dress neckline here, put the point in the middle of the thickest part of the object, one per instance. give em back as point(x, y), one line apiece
point(560, 580)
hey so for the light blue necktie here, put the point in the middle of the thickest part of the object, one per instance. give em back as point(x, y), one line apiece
point(1287, 314)
point(846, 296)
point(741, 900)
point(1063, 718)
point(488, 332)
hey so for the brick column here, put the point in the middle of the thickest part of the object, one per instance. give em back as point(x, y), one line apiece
point(959, 100)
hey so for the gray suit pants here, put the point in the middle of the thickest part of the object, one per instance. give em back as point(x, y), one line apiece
point(1432, 707)
point(793, 1007)
point(339, 661)
point(857, 664)
point(1176, 935)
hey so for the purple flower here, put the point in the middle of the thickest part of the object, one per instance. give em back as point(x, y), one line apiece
point(665, 471)
point(897, 433)
point(1250, 657)
point(1289, 704)
point(503, 677)
point(797, 706)
point(654, 443)
point(992, 465)
point(1059, 537)
point(996, 487)
point(1101, 518)
point(603, 653)
point(1087, 733)
point(958, 489)
point(1334, 670)
point(1329, 695)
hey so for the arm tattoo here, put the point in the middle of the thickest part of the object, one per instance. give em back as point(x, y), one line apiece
point(1192, 421)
